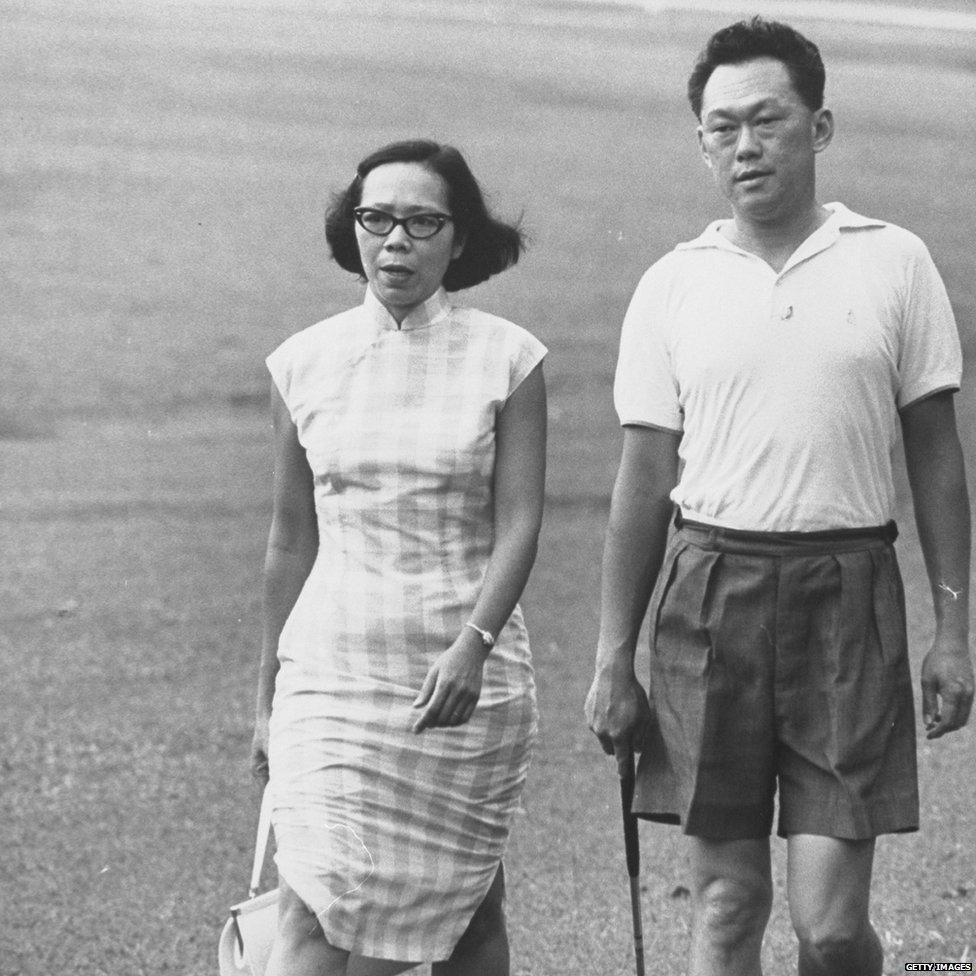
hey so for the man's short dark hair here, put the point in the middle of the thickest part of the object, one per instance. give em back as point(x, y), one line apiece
point(759, 38)
point(490, 245)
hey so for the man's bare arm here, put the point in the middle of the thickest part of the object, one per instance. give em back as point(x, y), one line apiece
point(616, 706)
point(936, 471)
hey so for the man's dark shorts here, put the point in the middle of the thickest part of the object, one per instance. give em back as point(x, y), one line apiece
point(780, 657)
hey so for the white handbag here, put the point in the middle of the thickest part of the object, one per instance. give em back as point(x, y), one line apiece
point(247, 937)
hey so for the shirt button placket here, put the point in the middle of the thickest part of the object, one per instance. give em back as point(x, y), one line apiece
point(782, 308)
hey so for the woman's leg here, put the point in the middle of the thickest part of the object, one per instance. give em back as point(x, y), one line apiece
point(300, 947)
point(483, 948)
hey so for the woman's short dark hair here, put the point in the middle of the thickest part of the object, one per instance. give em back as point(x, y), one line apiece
point(490, 245)
point(759, 38)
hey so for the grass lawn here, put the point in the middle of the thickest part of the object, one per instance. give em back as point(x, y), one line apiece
point(165, 167)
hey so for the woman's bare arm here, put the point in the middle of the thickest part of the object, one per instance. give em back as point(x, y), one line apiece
point(292, 547)
point(453, 684)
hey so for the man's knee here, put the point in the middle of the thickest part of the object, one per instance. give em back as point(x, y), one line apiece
point(732, 911)
point(836, 944)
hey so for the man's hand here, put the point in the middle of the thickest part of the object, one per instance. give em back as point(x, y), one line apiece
point(617, 711)
point(947, 687)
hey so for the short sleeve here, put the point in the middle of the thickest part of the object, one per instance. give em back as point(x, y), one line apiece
point(526, 352)
point(930, 357)
point(645, 390)
point(281, 367)
point(277, 364)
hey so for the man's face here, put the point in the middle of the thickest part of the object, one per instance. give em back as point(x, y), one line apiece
point(759, 140)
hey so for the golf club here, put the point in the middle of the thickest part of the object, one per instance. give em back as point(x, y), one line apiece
point(625, 770)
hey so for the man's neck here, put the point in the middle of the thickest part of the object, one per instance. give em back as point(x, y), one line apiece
point(776, 241)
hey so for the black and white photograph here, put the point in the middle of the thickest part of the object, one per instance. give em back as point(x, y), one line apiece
point(486, 487)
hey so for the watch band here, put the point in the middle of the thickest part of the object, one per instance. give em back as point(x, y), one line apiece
point(486, 636)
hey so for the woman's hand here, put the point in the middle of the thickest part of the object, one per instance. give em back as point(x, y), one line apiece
point(259, 750)
point(453, 684)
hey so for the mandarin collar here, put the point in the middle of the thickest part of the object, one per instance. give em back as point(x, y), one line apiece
point(428, 313)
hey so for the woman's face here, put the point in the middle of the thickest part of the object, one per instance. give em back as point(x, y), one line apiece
point(404, 272)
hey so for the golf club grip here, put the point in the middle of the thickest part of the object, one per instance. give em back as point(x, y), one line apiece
point(631, 839)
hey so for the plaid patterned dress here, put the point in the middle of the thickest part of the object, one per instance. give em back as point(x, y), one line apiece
point(393, 838)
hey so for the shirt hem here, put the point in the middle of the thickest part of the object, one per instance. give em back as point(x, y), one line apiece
point(951, 386)
point(805, 525)
point(651, 425)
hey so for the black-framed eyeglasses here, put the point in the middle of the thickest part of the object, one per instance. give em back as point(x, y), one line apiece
point(418, 226)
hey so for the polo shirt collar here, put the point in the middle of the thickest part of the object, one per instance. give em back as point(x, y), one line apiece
point(840, 219)
point(428, 313)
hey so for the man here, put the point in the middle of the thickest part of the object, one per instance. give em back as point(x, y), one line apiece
point(774, 357)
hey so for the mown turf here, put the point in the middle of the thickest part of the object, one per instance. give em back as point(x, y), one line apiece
point(164, 171)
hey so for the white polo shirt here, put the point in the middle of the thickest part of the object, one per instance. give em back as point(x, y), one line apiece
point(786, 387)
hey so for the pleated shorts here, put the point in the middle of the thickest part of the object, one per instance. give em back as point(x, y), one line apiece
point(780, 661)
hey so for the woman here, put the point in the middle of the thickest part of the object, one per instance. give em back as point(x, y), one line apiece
point(396, 701)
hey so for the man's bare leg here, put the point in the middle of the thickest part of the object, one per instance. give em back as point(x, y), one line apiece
point(829, 882)
point(732, 897)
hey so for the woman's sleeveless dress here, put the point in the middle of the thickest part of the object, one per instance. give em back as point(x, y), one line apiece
point(390, 837)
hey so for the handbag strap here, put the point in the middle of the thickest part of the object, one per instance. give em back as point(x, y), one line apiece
point(261, 846)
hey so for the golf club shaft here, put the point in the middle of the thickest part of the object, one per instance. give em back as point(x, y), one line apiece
point(638, 925)
point(632, 851)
